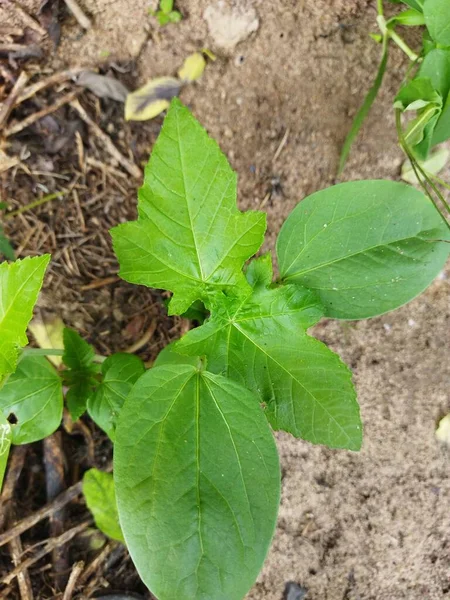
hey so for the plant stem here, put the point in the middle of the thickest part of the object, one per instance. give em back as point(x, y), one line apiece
point(403, 45)
point(419, 172)
point(438, 180)
point(380, 8)
point(43, 200)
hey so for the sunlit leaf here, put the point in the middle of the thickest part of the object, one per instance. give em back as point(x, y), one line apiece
point(100, 496)
point(193, 67)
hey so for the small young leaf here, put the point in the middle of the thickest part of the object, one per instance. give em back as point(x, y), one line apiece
point(190, 237)
point(416, 4)
point(33, 394)
point(5, 247)
point(151, 99)
point(197, 482)
point(416, 94)
point(437, 19)
point(100, 496)
point(5, 444)
point(175, 16)
point(166, 6)
point(81, 372)
point(262, 344)
point(120, 373)
point(20, 283)
point(259, 272)
point(436, 66)
point(163, 19)
point(410, 18)
point(192, 68)
point(366, 247)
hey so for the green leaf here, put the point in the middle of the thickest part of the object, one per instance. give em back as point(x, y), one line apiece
point(5, 247)
point(259, 272)
point(190, 237)
point(162, 17)
point(436, 66)
point(20, 283)
point(100, 496)
point(416, 4)
point(410, 18)
point(166, 6)
point(197, 482)
point(33, 394)
point(5, 445)
point(437, 19)
point(366, 106)
point(175, 16)
point(365, 247)
point(169, 356)
point(120, 373)
point(262, 344)
point(81, 373)
point(416, 94)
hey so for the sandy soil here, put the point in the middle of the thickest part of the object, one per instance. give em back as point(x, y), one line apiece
point(367, 526)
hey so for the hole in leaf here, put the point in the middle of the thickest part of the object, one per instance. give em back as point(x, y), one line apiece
point(12, 419)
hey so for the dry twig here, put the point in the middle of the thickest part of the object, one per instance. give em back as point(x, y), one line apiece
point(47, 510)
point(132, 169)
point(10, 101)
point(73, 579)
point(28, 21)
point(79, 15)
point(47, 547)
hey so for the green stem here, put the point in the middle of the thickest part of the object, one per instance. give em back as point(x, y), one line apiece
point(43, 200)
point(438, 179)
point(380, 8)
point(403, 45)
point(419, 172)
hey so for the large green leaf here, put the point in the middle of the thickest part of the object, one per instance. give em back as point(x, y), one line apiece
point(5, 445)
point(436, 66)
point(437, 19)
point(20, 283)
point(120, 373)
point(197, 483)
point(100, 495)
point(81, 372)
point(262, 344)
point(33, 394)
point(190, 237)
point(416, 4)
point(365, 247)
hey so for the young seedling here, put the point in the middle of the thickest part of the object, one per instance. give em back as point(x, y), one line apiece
point(425, 92)
point(166, 14)
point(196, 471)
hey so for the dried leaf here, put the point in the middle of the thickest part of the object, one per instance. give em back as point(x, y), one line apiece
point(443, 430)
point(150, 100)
point(7, 162)
point(49, 334)
point(193, 67)
point(103, 86)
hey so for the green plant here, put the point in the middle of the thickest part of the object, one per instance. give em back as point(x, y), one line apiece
point(425, 92)
point(196, 469)
point(165, 14)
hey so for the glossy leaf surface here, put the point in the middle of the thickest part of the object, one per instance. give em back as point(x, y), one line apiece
point(261, 342)
point(190, 237)
point(20, 283)
point(33, 394)
point(365, 247)
point(100, 496)
point(120, 373)
point(197, 482)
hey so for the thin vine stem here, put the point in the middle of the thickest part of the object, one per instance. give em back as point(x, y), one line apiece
point(420, 174)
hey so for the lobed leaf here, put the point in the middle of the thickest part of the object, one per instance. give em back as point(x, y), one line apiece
point(20, 283)
point(33, 394)
point(120, 373)
point(190, 237)
point(365, 247)
point(100, 495)
point(197, 482)
point(262, 344)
